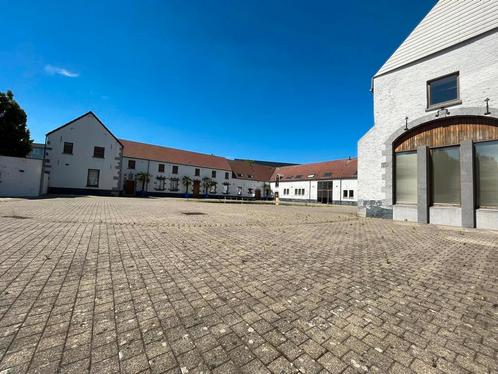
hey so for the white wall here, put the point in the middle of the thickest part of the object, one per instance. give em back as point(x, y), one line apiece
point(71, 171)
point(152, 167)
point(20, 177)
point(338, 186)
point(245, 184)
point(402, 93)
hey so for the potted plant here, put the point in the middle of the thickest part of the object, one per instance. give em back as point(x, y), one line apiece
point(186, 181)
point(206, 183)
point(144, 178)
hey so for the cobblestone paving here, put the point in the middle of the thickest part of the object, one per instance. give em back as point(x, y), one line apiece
point(135, 285)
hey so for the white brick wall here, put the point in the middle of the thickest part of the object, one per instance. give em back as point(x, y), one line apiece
point(402, 93)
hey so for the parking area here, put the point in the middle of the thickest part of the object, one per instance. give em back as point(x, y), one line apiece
point(132, 285)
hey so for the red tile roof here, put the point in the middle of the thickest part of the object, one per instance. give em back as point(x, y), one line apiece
point(245, 169)
point(337, 169)
point(172, 155)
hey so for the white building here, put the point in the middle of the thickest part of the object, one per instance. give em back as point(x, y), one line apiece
point(83, 157)
point(331, 182)
point(250, 179)
point(209, 175)
point(432, 155)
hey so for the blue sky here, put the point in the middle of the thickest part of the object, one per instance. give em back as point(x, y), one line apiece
point(271, 80)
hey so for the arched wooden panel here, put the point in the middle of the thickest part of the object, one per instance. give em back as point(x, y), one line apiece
point(448, 131)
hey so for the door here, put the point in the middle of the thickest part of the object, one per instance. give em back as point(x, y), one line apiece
point(129, 187)
point(257, 194)
point(196, 188)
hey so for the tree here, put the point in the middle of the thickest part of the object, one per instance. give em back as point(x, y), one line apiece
point(186, 181)
point(14, 135)
point(143, 177)
point(206, 183)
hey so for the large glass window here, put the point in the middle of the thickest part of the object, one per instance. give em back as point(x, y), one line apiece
point(442, 90)
point(487, 173)
point(445, 175)
point(406, 178)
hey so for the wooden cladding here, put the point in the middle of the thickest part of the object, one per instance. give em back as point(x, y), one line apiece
point(448, 131)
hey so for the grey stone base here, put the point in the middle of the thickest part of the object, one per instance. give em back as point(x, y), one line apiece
point(374, 209)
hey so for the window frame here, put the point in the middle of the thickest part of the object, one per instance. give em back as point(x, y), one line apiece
point(213, 173)
point(64, 148)
point(445, 104)
point(175, 169)
point(88, 178)
point(197, 172)
point(134, 162)
point(160, 168)
point(395, 181)
point(477, 176)
point(98, 147)
point(227, 175)
point(431, 176)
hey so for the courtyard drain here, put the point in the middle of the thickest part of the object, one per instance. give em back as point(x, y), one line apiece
point(194, 213)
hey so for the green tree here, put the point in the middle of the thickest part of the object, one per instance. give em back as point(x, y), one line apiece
point(143, 177)
point(14, 135)
point(206, 183)
point(186, 181)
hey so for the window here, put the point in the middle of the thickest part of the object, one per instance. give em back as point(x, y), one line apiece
point(173, 184)
point(174, 170)
point(445, 176)
point(487, 173)
point(98, 152)
point(212, 188)
point(68, 148)
point(277, 180)
point(227, 175)
point(92, 179)
point(327, 175)
point(351, 194)
point(131, 164)
point(225, 189)
point(213, 173)
point(298, 177)
point(160, 168)
point(197, 172)
point(345, 194)
point(239, 190)
point(442, 91)
point(406, 178)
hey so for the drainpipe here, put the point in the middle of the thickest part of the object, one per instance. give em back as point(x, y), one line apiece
point(42, 177)
point(147, 183)
point(340, 191)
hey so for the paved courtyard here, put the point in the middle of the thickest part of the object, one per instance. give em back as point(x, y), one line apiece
point(169, 286)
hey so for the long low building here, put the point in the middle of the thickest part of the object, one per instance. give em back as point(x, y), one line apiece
point(330, 182)
point(84, 157)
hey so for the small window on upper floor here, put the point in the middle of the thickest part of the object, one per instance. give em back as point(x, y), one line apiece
point(213, 174)
point(68, 148)
point(131, 164)
point(98, 152)
point(443, 91)
point(160, 168)
point(227, 175)
point(174, 170)
point(197, 172)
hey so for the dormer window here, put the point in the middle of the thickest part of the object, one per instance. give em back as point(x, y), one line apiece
point(443, 91)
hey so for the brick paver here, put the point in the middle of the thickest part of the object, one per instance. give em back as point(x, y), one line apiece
point(107, 285)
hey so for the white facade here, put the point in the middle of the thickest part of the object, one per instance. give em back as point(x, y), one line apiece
point(69, 172)
point(247, 188)
point(20, 177)
point(456, 37)
point(158, 186)
point(344, 191)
